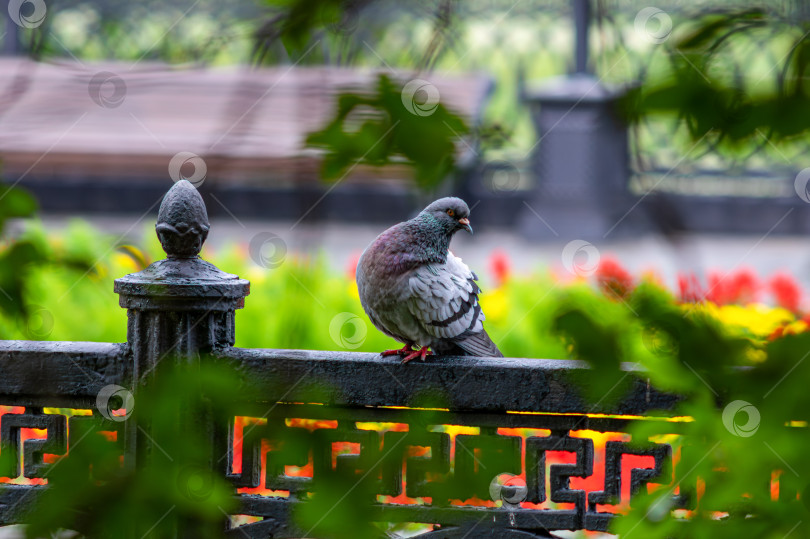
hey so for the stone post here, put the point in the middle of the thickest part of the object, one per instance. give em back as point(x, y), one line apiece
point(179, 309)
point(182, 305)
point(580, 160)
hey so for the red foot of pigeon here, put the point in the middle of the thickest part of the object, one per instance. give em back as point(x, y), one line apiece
point(405, 350)
point(408, 352)
point(421, 354)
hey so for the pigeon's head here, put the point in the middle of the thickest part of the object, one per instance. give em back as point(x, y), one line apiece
point(451, 213)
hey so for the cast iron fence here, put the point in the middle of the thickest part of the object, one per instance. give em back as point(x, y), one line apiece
point(518, 414)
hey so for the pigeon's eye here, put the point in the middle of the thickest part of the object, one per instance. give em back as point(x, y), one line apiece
point(451, 213)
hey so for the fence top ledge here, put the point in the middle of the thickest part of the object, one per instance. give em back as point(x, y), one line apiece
point(57, 373)
point(477, 384)
point(374, 358)
point(182, 277)
point(88, 348)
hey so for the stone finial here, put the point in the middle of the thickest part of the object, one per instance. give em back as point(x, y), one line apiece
point(182, 224)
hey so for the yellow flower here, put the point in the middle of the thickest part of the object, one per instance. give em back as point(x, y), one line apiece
point(794, 328)
point(495, 305)
point(124, 261)
point(756, 318)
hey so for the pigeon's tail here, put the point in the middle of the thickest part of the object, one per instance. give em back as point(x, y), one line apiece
point(474, 344)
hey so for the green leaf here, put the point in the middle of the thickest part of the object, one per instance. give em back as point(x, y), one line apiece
point(392, 133)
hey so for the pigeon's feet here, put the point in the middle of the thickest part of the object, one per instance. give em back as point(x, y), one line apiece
point(421, 354)
point(404, 351)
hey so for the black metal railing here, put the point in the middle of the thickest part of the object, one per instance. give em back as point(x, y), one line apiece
point(505, 416)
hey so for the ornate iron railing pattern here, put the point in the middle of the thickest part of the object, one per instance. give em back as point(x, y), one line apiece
point(459, 469)
point(498, 416)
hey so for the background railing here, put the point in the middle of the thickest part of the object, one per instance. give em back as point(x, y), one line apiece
point(472, 446)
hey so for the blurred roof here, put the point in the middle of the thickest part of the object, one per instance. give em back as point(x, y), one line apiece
point(119, 120)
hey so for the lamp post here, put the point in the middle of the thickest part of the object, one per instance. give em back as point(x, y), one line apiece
point(580, 160)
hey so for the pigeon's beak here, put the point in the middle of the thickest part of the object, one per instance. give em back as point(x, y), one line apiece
point(465, 224)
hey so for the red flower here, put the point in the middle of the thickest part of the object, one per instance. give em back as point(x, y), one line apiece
point(351, 265)
point(786, 291)
point(613, 279)
point(689, 289)
point(746, 286)
point(718, 291)
point(500, 266)
point(739, 287)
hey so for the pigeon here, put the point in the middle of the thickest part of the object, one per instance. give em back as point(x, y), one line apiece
point(415, 290)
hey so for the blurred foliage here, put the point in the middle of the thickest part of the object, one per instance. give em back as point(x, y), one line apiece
point(295, 23)
point(504, 39)
point(343, 28)
point(16, 257)
point(741, 467)
point(341, 507)
point(305, 292)
point(388, 130)
point(390, 124)
point(52, 271)
point(19, 257)
point(174, 486)
point(176, 32)
point(316, 306)
point(710, 89)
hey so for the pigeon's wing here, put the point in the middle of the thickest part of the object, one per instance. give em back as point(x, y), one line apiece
point(444, 300)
